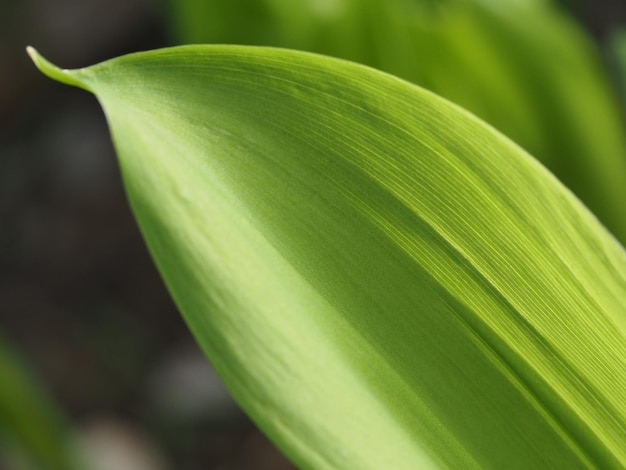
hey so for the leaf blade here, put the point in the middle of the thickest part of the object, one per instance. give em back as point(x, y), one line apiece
point(367, 206)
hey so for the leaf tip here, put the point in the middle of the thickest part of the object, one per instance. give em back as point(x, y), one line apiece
point(49, 69)
point(32, 53)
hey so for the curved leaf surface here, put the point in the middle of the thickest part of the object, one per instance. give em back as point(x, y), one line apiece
point(521, 65)
point(381, 279)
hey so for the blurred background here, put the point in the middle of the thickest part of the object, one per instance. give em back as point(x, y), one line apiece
point(80, 300)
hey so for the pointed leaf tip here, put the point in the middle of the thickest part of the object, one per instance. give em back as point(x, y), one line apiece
point(32, 52)
point(49, 69)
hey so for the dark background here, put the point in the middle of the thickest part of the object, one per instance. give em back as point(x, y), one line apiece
point(79, 296)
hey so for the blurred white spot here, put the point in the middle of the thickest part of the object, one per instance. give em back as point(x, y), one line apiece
point(110, 444)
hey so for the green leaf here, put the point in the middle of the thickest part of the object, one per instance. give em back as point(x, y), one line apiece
point(523, 66)
point(618, 47)
point(32, 429)
point(381, 279)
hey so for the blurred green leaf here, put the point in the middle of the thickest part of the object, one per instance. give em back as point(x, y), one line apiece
point(382, 280)
point(31, 427)
point(521, 65)
point(618, 46)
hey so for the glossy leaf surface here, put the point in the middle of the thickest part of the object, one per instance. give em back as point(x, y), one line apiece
point(381, 279)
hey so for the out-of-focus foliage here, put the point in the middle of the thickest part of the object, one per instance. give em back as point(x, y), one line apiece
point(31, 429)
point(618, 45)
point(521, 65)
